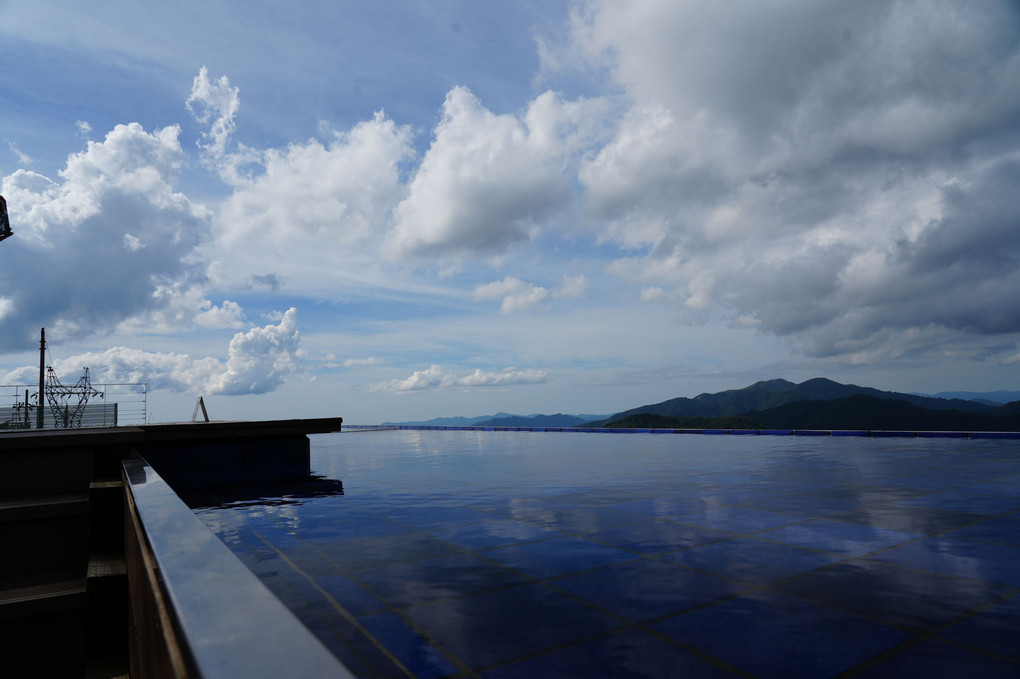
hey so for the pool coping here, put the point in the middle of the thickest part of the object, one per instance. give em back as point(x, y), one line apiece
point(230, 623)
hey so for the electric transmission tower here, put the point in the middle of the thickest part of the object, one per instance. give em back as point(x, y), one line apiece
point(61, 397)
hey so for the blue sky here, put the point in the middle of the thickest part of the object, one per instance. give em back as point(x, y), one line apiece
point(405, 210)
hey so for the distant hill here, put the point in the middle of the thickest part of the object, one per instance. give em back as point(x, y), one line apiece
point(774, 393)
point(504, 420)
point(780, 404)
point(450, 421)
point(997, 397)
point(557, 420)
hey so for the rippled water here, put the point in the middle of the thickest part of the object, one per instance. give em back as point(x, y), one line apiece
point(563, 554)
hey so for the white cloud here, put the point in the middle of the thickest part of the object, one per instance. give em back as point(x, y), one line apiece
point(651, 294)
point(361, 362)
point(258, 361)
point(506, 377)
point(517, 295)
point(227, 315)
point(315, 212)
point(261, 359)
point(23, 158)
point(431, 378)
point(809, 169)
point(99, 243)
point(214, 103)
point(488, 181)
point(434, 378)
point(573, 287)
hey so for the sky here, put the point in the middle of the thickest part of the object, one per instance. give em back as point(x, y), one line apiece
point(414, 209)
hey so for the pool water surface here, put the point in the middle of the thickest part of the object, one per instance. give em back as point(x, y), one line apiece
point(512, 554)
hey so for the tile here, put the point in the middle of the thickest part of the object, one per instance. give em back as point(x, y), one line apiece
point(995, 629)
point(606, 496)
point(967, 500)
point(891, 595)
point(661, 507)
point(751, 561)
point(421, 658)
point(625, 655)
point(1005, 486)
point(492, 533)
point(654, 537)
point(578, 519)
point(350, 595)
point(922, 481)
point(949, 555)
point(849, 539)
point(437, 517)
point(865, 494)
point(375, 552)
point(645, 589)
point(921, 520)
point(421, 582)
point(771, 635)
point(804, 505)
point(530, 619)
point(1004, 530)
point(741, 520)
point(360, 653)
point(558, 556)
point(351, 526)
point(738, 495)
point(309, 561)
point(933, 658)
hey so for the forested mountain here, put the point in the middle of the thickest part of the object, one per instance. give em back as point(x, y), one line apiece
point(824, 404)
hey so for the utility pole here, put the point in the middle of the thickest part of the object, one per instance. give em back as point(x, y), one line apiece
point(42, 380)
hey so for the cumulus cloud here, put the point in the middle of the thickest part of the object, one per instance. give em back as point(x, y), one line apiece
point(311, 205)
point(488, 181)
point(101, 240)
point(258, 361)
point(517, 295)
point(839, 175)
point(434, 378)
point(261, 359)
point(337, 193)
point(214, 103)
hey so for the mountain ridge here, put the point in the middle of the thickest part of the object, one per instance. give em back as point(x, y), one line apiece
point(778, 392)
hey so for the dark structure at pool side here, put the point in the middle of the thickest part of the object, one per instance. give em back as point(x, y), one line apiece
point(107, 571)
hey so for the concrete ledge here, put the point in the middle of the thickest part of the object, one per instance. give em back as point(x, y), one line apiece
point(230, 624)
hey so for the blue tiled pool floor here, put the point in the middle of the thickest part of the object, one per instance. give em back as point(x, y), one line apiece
point(506, 554)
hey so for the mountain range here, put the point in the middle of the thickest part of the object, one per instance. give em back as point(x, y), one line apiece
point(817, 403)
point(823, 404)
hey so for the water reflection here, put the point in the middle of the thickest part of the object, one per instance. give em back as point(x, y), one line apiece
point(507, 552)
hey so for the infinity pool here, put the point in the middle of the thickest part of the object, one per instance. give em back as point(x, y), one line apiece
point(508, 554)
